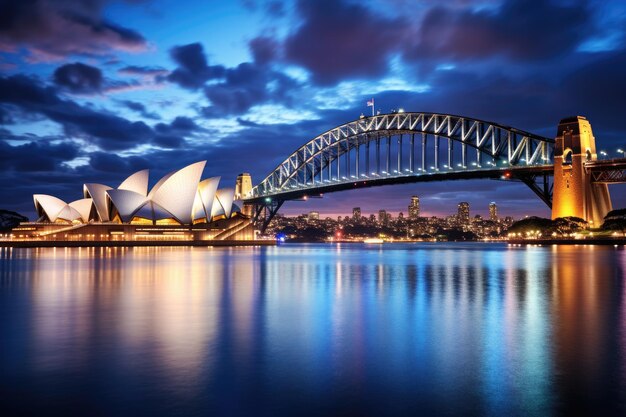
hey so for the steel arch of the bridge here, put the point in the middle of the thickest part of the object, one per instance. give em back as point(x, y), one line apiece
point(484, 146)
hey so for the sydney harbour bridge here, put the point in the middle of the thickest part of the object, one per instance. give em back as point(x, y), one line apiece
point(407, 147)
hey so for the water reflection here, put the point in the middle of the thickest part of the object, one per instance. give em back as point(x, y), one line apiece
point(346, 329)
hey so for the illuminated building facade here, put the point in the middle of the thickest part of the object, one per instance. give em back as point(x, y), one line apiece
point(314, 216)
point(414, 208)
point(382, 216)
point(463, 212)
point(493, 212)
point(180, 206)
point(356, 213)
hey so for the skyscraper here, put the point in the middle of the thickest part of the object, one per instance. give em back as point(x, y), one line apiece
point(382, 216)
point(493, 212)
point(414, 208)
point(463, 212)
point(356, 213)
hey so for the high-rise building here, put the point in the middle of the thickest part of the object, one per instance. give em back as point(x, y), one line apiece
point(414, 208)
point(313, 215)
point(493, 212)
point(356, 213)
point(463, 214)
point(382, 216)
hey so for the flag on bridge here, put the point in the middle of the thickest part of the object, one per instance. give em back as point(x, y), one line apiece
point(370, 103)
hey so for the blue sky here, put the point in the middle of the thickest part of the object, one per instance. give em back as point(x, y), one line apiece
point(93, 90)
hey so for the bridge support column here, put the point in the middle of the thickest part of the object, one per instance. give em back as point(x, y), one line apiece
point(243, 186)
point(574, 193)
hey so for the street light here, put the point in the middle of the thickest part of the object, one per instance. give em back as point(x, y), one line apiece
point(621, 151)
point(602, 153)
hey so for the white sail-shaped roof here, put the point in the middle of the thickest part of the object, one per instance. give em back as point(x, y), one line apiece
point(224, 198)
point(68, 213)
point(160, 183)
point(138, 182)
point(83, 207)
point(203, 202)
point(49, 206)
point(126, 202)
point(153, 211)
point(98, 192)
point(177, 193)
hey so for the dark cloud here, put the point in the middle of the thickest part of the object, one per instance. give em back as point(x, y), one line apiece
point(108, 131)
point(180, 125)
point(193, 70)
point(79, 78)
point(517, 30)
point(106, 162)
point(142, 70)
point(339, 40)
point(140, 109)
point(37, 156)
point(172, 135)
point(264, 49)
point(5, 117)
point(245, 86)
point(184, 124)
point(53, 29)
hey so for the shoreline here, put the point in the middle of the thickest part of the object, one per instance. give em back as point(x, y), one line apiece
point(131, 243)
point(601, 242)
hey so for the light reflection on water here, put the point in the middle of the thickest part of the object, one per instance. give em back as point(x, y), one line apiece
point(313, 329)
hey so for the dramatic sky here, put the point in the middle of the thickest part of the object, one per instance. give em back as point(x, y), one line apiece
point(94, 90)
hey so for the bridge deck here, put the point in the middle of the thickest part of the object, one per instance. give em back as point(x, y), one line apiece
point(608, 171)
point(318, 189)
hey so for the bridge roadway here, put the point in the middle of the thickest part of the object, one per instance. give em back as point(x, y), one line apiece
point(607, 171)
point(518, 173)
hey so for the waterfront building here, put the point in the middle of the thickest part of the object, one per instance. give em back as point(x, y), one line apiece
point(356, 213)
point(493, 212)
point(414, 208)
point(313, 216)
point(180, 206)
point(463, 213)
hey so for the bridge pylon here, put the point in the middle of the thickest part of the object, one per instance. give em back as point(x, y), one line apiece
point(575, 195)
point(243, 186)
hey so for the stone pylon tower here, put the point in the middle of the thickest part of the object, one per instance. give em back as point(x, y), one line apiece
point(574, 193)
point(242, 187)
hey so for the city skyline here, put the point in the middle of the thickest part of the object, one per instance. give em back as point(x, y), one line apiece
point(484, 212)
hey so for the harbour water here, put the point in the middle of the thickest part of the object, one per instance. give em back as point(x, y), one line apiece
point(318, 329)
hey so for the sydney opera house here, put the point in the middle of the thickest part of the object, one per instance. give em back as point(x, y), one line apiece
point(179, 207)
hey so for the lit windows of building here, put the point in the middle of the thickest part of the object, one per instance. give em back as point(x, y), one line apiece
point(414, 208)
point(493, 212)
point(463, 214)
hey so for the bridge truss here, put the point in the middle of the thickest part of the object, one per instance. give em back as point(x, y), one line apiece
point(405, 147)
point(607, 171)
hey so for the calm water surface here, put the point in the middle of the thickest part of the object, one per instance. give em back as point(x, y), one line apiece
point(350, 330)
